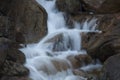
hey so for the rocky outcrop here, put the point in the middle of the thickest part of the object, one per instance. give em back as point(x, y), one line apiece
point(25, 20)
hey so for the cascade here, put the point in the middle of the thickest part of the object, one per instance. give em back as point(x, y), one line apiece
point(47, 60)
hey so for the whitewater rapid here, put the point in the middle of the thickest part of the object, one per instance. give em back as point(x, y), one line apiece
point(40, 56)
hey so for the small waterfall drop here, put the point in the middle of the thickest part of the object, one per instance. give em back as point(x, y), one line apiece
point(42, 57)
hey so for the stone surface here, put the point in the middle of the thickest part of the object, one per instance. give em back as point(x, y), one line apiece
point(79, 60)
point(11, 68)
point(102, 6)
point(14, 78)
point(29, 20)
point(15, 55)
point(60, 42)
point(69, 6)
point(112, 67)
point(7, 28)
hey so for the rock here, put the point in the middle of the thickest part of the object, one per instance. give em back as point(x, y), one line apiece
point(79, 60)
point(105, 43)
point(69, 6)
point(15, 55)
point(102, 6)
point(3, 52)
point(80, 73)
point(61, 64)
point(11, 68)
point(112, 67)
point(29, 19)
point(9, 50)
point(84, 58)
point(60, 42)
point(7, 28)
point(14, 78)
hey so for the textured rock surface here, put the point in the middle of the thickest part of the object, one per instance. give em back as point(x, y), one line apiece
point(29, 19)
point(105, 44)
point(102, 6)
point(111, 68)
point(79, 60)
point(11, 68)
point(14, 78)
point(69, 6)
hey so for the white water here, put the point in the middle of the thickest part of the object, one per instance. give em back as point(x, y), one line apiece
point(40, 57)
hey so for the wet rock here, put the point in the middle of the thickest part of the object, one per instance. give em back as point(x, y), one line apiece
point(79, 60)
point(105, 44)
point(111, 68)
point(28, 17)
point(61, 64)
point(11, 68)
point(60, 42)
point(69, 6)
point(102, 6)
point(95, 74)
point(84, 58)
point(80, 73)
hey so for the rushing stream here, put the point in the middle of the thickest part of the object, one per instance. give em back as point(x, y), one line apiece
point(44, 58)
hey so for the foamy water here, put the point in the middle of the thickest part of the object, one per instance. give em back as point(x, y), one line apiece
point(41, 58)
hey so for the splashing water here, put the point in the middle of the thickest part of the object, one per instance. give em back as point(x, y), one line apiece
point(46, 64)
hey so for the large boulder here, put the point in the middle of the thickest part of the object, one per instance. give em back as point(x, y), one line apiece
point(112, 68)
point(29, 19)
point(102, 6)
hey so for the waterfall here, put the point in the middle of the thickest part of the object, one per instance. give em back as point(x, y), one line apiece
point(47, 60)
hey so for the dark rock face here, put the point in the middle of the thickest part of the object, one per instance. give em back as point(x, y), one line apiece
point(112, 67)
point(7, 28)
point(11, 68)
point(11, 59)
point(102, 6)
point(29, 19)
point(14, 78)
point(16, 56)
point(105, 44)
point(69, 6)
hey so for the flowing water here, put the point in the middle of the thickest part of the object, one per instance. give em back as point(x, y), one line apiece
point(47, 60)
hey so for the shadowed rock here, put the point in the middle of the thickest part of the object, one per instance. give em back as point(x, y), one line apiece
point(111, 68)
point(28, 17)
